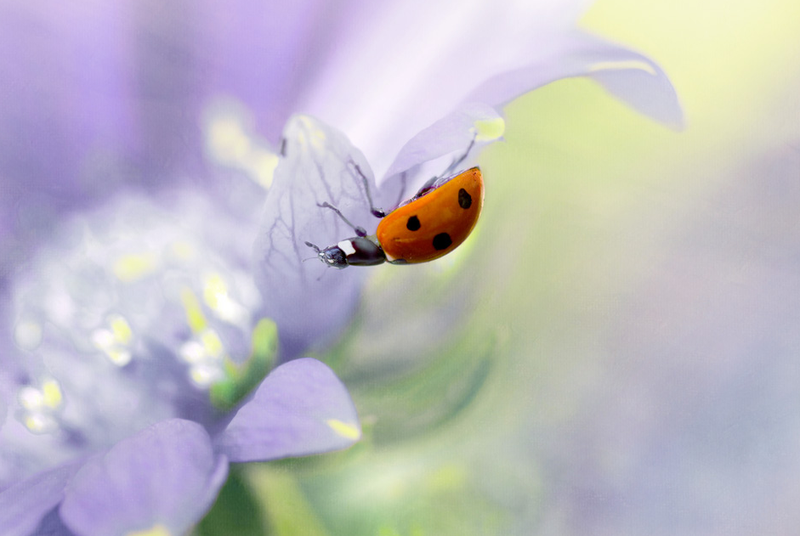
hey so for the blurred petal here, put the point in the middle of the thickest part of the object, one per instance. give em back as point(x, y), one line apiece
point(301, 408)
point(452, 133)
point(55, 134)
point(423, 58)
point(277, 49)
point(134, 76)
point(23, 506)
point(309, 301)
point(166, 477)
point(633, 78)
point(126, 318)
point(134, 80)
point(628, 75)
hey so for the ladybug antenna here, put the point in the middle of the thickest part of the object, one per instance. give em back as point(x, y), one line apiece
point(315, 248)
point(401, 193)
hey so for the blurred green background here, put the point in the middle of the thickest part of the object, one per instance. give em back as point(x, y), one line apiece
point(614, 351)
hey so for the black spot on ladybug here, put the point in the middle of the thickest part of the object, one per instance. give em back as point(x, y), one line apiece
point(464, 199)
point(442, 241)
point(413, 224)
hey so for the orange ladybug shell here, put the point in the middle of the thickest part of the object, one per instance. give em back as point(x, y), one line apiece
point(435, 222)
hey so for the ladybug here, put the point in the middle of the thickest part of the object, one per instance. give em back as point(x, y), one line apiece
point(434, 222)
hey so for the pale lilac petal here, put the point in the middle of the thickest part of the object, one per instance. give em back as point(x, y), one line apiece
point(451, 134)
point(415, 61)
point(301, 408)
point(166, 476)
point(23, 505)
point(101, 97)
point(309, 301)
point(134, 76)
point(410, 63)
point(628, 75)
point(263, 54)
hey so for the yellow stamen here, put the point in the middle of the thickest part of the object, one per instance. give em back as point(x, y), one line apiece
point(156, 530)
point(132, 267)
point(215, 289)
point(489, 129)
point(52, 394)
point(194, 314)
point(121, 329)
point(346, 430)
point(212, 343)
point(261, 164)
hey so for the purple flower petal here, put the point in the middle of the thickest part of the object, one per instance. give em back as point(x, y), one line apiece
point(631, 77)
point(452, 133)
point(166, 476)
point(23, 505)
point(301, 408)
point(402, 67)
point(628, 75)
point(309, 301)
point(134, 78)
point(263, 53)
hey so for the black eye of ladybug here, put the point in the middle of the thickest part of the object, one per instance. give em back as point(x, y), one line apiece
point(413, 224)
point(464, 199)
point(442, 241)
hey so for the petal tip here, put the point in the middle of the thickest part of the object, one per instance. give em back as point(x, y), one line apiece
point(346, 430)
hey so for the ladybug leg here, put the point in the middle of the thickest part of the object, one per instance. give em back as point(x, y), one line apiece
point(460, 159)
point(377, 212)
point(428, 186)
point(425, 188)
point(359, 230)
point(401, 195)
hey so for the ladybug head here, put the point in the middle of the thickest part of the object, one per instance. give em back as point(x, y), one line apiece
point(331, 256)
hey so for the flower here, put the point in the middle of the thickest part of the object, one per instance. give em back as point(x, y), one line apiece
point(405, 145)
point(135, 78)
point(138, 323)
point(136, 335)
